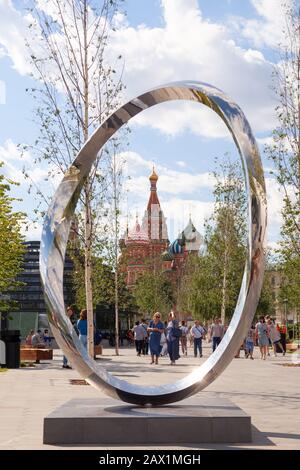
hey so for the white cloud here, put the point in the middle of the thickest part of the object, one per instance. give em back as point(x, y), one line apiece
point(188, 47)
point(270, 142)
point(177, 118)
point(181, 163)
point(10, 155)
point(170, 181)
point(32, 230)
point(176, 190)
point(10, 151)
point(2, 90)
point(15, 162)
point(274, 201)
point(22, 39)
point(268, 30)
point(177, 211)
point(13, 31)
point(265, 140)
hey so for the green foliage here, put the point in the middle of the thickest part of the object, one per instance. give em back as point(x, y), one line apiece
point(266, 304)
point(212, 281)
point(198, 294)
point(103, 282)
point(153, 292)
point(11, 247)
point(284, 152)
point(290, 267)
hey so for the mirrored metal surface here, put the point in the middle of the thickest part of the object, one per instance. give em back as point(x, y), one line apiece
point(56, 231)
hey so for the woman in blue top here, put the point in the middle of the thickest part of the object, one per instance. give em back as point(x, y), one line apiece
point(261, 332)
point(155, 329)
point(82, 327)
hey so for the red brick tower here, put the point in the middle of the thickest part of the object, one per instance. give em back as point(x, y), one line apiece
point(155, 221)
point(143, 245)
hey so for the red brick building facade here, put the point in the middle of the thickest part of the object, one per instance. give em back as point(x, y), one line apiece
point(146, 245)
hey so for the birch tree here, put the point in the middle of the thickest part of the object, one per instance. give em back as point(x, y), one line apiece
point(212, 280)
point(226, 238)
point(11, 246)
point(76, 90)
point(284, 150)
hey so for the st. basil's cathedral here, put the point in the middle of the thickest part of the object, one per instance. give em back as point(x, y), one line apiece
point(146, 246)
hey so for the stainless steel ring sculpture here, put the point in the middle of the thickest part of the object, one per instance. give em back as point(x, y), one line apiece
point(56, 232)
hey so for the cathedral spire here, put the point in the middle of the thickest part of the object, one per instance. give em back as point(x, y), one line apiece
point(154, 217)
point(153, 199)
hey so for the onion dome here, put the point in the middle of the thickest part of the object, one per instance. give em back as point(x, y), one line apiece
point(153, 176)
point(193, 238)
point(137, 234)
point(176, 247)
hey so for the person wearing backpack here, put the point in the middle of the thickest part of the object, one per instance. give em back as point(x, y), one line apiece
point(173, 335)
point(197, 332)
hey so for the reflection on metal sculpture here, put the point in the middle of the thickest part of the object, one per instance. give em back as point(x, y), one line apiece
point(56, 231)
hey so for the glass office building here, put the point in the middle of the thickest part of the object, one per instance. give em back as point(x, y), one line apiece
point(31, 312)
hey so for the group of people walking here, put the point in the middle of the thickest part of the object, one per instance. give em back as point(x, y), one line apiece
point(172, 334)
point(80, 327)
point(167, 337)
point(268, 334)
point(154, 335)
point(264, 334)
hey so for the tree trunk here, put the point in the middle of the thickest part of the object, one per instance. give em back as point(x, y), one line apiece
point(88, 277)
point(116, 230)
point(225, 266)
point(88, 211)
point(224, 288)
point(116, 313)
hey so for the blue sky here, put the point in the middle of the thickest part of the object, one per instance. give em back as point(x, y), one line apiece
point(229, 43)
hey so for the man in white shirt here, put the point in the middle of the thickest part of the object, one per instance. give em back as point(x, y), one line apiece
point(139, 336)
point(197, 333)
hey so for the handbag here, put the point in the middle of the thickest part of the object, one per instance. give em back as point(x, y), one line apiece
point(162, 339)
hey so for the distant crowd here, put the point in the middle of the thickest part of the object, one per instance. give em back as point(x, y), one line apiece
point(39, 339)
point(172, 338)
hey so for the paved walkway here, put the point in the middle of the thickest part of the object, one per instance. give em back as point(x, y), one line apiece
point(266, 390)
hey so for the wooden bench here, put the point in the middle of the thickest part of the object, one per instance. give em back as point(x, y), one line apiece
point(98, 350)
point(28, 353)
point(291, 346)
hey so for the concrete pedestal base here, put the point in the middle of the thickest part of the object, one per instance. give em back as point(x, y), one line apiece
point(200, 419)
